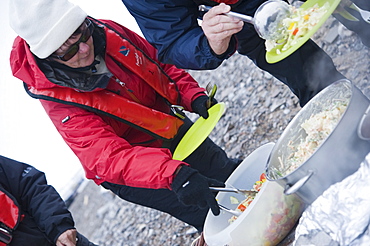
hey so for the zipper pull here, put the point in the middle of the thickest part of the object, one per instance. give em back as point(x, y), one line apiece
point(128, 91)
point(120, 82)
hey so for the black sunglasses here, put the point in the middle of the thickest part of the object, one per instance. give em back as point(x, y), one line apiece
point(73, 49)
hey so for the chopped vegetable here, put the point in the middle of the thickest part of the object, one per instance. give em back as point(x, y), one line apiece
point(263, 177)
point(317, 129)
point(234, 200)
point(296, 26)
point(242, 207)
point(246, 202)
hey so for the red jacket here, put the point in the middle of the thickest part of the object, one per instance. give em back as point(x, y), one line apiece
point(9, 217)
point(109, 147)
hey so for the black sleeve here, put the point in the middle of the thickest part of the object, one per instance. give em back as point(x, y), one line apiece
point(35, 197)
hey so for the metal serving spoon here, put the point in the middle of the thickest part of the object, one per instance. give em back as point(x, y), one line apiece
point(267, 18)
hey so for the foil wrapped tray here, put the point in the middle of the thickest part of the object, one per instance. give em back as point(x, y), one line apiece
point(341, 215)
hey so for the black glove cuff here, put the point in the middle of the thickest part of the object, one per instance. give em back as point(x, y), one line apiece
point(199, 103)
point(182, 176)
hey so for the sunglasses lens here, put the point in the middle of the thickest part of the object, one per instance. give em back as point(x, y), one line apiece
point(85, 35)
point(72, 51)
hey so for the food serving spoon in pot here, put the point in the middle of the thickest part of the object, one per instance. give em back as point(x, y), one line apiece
point(267, 18)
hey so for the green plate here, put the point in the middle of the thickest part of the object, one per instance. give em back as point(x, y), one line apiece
point(198, 132)
point(273, 57)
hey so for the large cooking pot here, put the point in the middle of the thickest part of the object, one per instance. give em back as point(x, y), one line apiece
point(266, 221)
point(339, 155)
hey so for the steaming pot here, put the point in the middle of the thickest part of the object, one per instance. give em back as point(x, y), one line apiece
point(337, 157)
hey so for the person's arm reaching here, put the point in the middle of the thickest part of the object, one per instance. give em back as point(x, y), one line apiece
point(174, 30)
point(104, 152)
point(219, 28)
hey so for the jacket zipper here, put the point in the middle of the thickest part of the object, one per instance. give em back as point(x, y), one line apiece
point(128, 91)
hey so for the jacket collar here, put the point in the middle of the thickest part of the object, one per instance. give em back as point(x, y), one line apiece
point(80, 79)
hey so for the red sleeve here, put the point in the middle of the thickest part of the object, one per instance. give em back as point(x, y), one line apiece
point(107, 157)
point(189, 88)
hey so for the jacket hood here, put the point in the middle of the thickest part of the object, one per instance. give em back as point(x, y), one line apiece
point(24, 66)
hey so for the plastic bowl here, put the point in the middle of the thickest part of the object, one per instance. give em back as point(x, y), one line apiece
point(266, 221)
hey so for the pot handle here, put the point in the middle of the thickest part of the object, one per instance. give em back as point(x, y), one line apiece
point(290, 189)
point(364, 126)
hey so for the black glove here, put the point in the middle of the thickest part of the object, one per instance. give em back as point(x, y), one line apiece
point(192, 188)
point(199, 106)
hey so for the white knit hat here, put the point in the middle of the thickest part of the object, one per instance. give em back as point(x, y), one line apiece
point(45, 24)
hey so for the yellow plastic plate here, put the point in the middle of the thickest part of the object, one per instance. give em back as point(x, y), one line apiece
point(198, 132)
point(273, 57)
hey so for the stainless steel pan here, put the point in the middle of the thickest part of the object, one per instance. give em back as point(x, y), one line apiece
point(337, 157)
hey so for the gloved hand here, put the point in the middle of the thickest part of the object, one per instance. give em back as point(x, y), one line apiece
point(192, 188)
point(199, 105)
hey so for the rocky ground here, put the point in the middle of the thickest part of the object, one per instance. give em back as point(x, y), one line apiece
point(258, 109)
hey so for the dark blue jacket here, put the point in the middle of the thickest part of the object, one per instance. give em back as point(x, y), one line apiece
point(172, 27)
point(40, 204)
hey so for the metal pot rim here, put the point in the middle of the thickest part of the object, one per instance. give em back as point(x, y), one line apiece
point(344, 82)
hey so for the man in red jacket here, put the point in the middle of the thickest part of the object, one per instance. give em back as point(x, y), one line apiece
point(110, 99)
point(32, 212)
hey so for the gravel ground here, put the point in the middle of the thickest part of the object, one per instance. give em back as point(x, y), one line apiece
point(258, 109)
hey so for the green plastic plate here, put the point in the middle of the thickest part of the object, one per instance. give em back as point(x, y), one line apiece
point(198, 132)
point(273, 57)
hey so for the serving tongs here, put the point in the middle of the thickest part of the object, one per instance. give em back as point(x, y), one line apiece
point(235, 190)
point(230, 211)
point(211, 89)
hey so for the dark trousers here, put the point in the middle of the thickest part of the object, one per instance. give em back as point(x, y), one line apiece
point(306, 72)
point(209, 159)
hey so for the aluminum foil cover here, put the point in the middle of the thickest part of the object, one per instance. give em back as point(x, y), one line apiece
point(341, 215)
